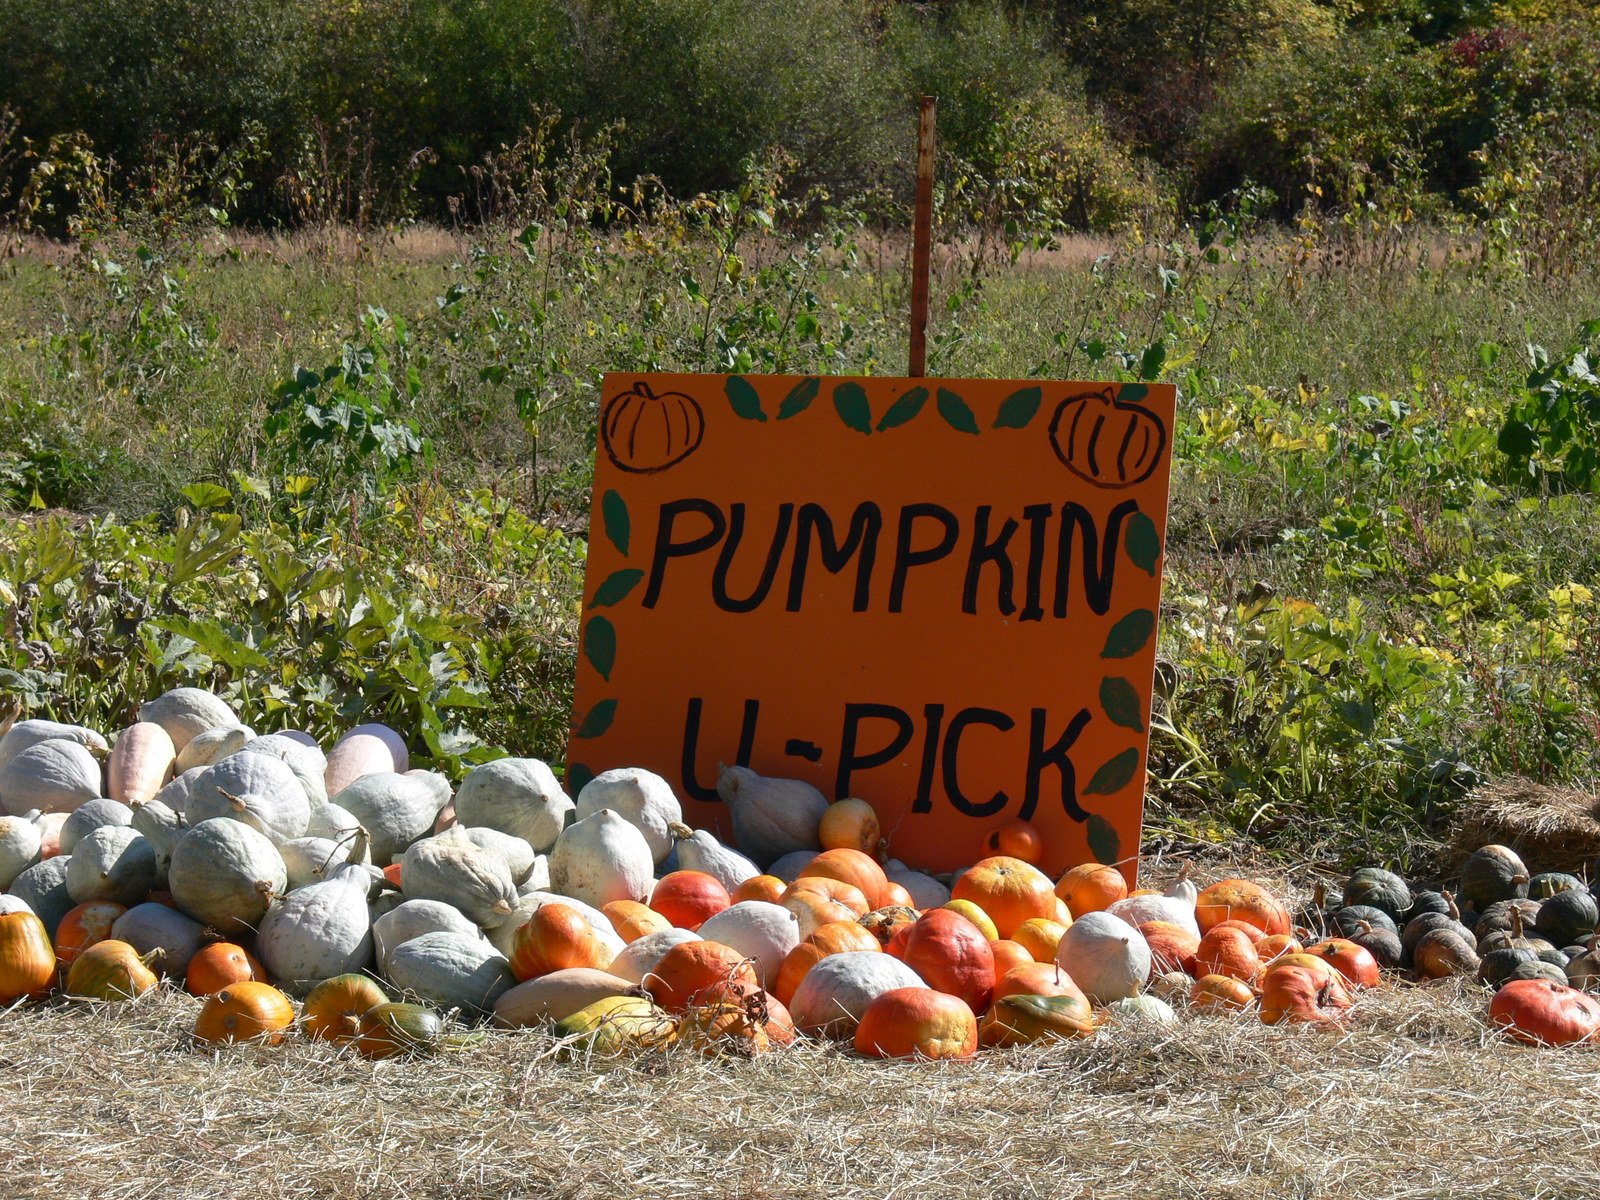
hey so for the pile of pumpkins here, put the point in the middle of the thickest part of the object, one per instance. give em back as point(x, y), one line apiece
point(257, 872)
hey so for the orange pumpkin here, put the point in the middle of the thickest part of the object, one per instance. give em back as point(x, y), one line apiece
point(850, 825)
point(1293, 994)
point(951, 956)
point(218, 965)
point(1091, 887)
point(633, 920)
point(917, 1023)
point(836, 937)
point(688, 899)
point(895, 895)
point(1222, 992)
point(814, 910)
point(702, 973)
point(244, 1012)
point(760, 887)
point(1255, 933)
point(1241, 900)
point(1545, 1013)
point(27, 962)
point(83, 926)
point(1111, 442)
point(645, 432)
point(392, 872)
point(1274, 945)
point(1318, 967)
point(1040, 937)
point(1008, 954)
point(1172, 947)
point(111, 970)
point(1009, 890)
point(824, 887)
point(849, 866)
point(554, 938)
point(1016, 839)
point(333, 1009)
point(1353, 961)
point(1035, 979)
point(1230, 952)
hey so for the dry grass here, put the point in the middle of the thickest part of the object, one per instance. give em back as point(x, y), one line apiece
point(1552, 828)
point(1415, 1099)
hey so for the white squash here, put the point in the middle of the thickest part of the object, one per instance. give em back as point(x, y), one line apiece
point(43, 888)
point(412, 919)
point(332, 822)
point(1143, 1010)
point(321, 930)
point(926, 891)
point(1105, 956)
point(365, 750)
point(307, 763)
point(311, 860)
point(519, 857)
point(836, 991)
point(761, 932)
point(224, 874)
point(556, 996)
point(30, 733)
point(162, 828)
point(640, 956)
point(141, 763)
point(256, 789)
point(788, 867)
point(1139, 910)
point(186, 712)
point(150, 926)
point(602, 858)
point(113, 862)
point(89, 816)
point(519, 796)
point(538, 879)
point(214, 745)
point(451, 970)
point(13, 904)
point(643, 797)
point(395, 810)
point(176, 794)
point(19, 846)
point(699, 850)
point(51, 776)
point(454, 871)
point(504, 936)
point(771, 817)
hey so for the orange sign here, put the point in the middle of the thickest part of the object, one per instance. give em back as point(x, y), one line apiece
point(938, 595)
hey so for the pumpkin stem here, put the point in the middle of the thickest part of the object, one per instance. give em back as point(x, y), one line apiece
point(679, 831)
point(238, 802)
point(1516, 920)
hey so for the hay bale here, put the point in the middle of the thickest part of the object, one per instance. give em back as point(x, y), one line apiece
point(1553, 828)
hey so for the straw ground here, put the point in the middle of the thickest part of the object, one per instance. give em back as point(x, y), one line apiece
point(1416, 1098)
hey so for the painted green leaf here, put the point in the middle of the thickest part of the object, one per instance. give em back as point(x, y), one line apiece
point(1121, 701)
point(600, 646)
point(743, 397)
point(851, 401)
point(1017, 409)
point(1104, 843)
point(1128, 636)
point(598, 719)
point(1142, 542)
point(956, 412)
point(578, 776)
point(1114, 775)
point(614, 515)
point(799, 398)
point(615, 587)
point(1132, 392)
point(903, 409)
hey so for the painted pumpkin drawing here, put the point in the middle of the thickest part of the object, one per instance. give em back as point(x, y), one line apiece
point(1110, 442)
point(645, 432)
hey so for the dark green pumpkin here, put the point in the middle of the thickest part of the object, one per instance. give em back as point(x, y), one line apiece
point(1538, 970)
point(1418, 926)
point(1543, 886)
point(1347, 920)
point(1568, 916)
point(1423, 903)
point(1492, 874)
point(1583, 969)
point(1495, 967)
point(1503, 916)
point(1382, 944)
point(1378, 888)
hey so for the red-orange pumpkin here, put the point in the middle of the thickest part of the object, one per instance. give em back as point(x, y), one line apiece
point(1545, 1013)
point(1240, 900)
point(850, 866)
point(1225, 951)
point(1291, 993)
point(702, 974)
point(554, 938)
point(1111, 442)
point(83, 926)
point(951, 955)
point(1353, 961)
point(1016, 839)
point(243, 1012)
point(644, 432)
point(220, 965)
point(688, 899)
point(1008, 890)
point(917, 1023)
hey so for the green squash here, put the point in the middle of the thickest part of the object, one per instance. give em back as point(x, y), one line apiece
point(1378, 888)
point(1543, 886)
point(1492, 874)
point(1568, 916)
point(1495, 967)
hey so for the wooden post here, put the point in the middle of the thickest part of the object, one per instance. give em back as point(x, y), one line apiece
point(922, 238)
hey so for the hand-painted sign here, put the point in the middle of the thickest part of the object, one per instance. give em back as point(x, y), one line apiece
point(937, 595)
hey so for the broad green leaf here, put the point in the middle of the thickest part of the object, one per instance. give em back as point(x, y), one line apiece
point(598, 719)
point(743, 398)
point(1142, 542)
point(1121, 701)
point(1019, 408)
point(614, 588)
point(206, 495)
point(903, 409)
point(600, 646)
point(956, 412)
point(850, 399)
point(614, 516)
point(1128, 636)
point(799, 398)
point(1104, 843)
point(1114, 774)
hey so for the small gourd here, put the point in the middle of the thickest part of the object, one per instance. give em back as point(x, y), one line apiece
point(1105, 956)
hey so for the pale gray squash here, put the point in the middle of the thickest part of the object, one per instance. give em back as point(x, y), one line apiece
point(454, 871)
point(519, 855)
point(186, 712)
point(89, 816)
point(307, 762)
point(321, 930)
point(332, 822)
point(151, 926)
point(699, 850)
point(602, 858)
point(412, 919)
point(256, 789)
point(311, 860)
point(176, 794)
point(224, 874)
point(451, 970)
point(113, 862)
point(162, 828)
point(52, 776)
point(31, 732)
point(642, 796)
point(43, 887)
point(395, 810)
point(214, 745)
point(771, 817)
point(519, 796)
point(19, 846)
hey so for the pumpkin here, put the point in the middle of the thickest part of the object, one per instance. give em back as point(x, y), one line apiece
point(1545, 1013)
point(322, 930)
point(850, 824)
point(836, 937)
point(813, 910)
point(1568, 916)
point(413, 918)
point(1227, 951)
point(556, 996)
point(771, 817)
point(1008, 954)
point(747, 1027)
point(113, 862)
point(1239, 899)
point(1274, 945)
point(218, 965)
point(602, 858)
point(1027, 1017)
point(141, 763)
point(1443, 952)
point(1420, 925)
point(49, 776)
point(885, 923)
point(504, 935)
point(20, 838)
point(1008, 890)
point(208, 748)
point(616, 1024)
point(1172, 947)
point(760, 887)
point(641, 797)
point(836, 992)
point(456, 872)
point(633, 920)
point(244, 1012)
point(1106, 957)
point(43, 888)
point(1383, 944)
point(332, 1010)
point(395, 809)
point(89, 816)
point(699, 850)
point(1583, 969)
point(27, 962)
point(224, 873)
point(1016, 839)
point(1354, 962)
point(1492, 874)
point(761, 932)
point(555, 938)
point(852, 867)
point(305, 761)
point(688, 899)
point(1428, 901)
point(187, 712)
point(979, 918)
point(1294, 994)
point(1381, 889)
point(836, 890)
point(1110, 442)
point(85, 925)
point(639, 958)
point(256, 789)
point(370, 749)
point(1222, 992)
point(917, 1022)
point(1502, 963)
point(1091, 887)
point(111, 970)
point(951, 956)
point(1040, 937)
point(397, 1027)
point(451, 970)
point(1504, 916)
point(1320, 969)
point(700, 973)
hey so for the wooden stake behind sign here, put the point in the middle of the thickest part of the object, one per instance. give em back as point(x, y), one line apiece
point(922, 238)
